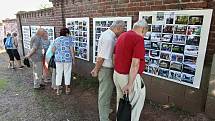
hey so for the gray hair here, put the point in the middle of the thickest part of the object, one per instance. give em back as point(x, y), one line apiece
point(141, 23)
point(118, 23)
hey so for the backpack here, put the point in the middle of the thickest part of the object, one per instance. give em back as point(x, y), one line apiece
point(9, 42)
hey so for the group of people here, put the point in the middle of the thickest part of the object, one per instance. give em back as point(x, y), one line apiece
point(42, 51)
point(120, 63)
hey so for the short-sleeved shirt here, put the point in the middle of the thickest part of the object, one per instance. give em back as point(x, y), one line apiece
point(129, 45)
point(106, 46)
point(36, 43)
point(63, 45)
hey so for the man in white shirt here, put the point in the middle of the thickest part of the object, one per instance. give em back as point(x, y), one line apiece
point(104, 67)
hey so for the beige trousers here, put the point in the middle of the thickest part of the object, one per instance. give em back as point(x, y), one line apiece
point(106, 85)
point(137, 97)
point(37, 73)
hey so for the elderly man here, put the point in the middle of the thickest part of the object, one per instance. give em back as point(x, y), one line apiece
point(104, 67)
point(36, 56)
point(129, 65)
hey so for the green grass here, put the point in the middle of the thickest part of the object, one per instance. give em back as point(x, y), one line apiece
point(3, 84)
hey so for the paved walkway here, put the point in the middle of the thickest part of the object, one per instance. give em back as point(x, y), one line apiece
point(19, 102)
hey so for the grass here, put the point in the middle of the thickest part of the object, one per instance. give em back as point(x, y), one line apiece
point(3, 84)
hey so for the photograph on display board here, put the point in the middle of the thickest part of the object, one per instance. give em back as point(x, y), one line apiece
point(193, 40)
point(154, 54)
point(148, 19)
point(175, 75)
point(163, 72)
point(177, 57)
point(156, 28)
point(155, 45)
point(176, 66)
point(164, 64)
point(174, 42)
point(79, 28)
point(166, 47)
point(191, 50)
point(179, 39)
point(181, 20)
point(178, 48)
point(195, 20)
point(156, 37)
point(168, 29)
point(180, 29)
point(169, 17)
point(188, 78)
point(165, 55)
point(194, 30)
point(167, 38)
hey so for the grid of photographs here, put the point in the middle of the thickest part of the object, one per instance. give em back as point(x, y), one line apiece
point(102, 24)
point(50, 30)
point(26, 37)
point(79, 29)
point(172, 45)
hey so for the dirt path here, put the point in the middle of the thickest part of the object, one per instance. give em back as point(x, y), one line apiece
point(20, 102)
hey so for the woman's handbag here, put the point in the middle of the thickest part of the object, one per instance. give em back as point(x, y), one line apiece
point(124, 109)
point(52, 63)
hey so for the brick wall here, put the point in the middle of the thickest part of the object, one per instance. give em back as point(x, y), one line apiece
point(158, 90)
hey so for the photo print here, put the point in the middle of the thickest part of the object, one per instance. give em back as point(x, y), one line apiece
point(147, 60)
point(147, 36)
point(167, 38)
point(188, 78)
point(168, 29)
point(181, 20)
point(180, 29)
point(175, 75)
point(166, 47)
point(153, 70)
point(189, 68)
point(155, 45)
point(177, 57)
point(147, 52)
point(160, 16)
point(147, 44)
point(148, 19)
point(111, 22)
point(190, 60)
point(156, 28)
point(164, 64)
point(156, 37)
point(163, 72)
point(194, 30)
point(178, 49)
point(165, 55)
point(176, 66)
point(169, 18)
point(179, 39)
point(193, 40)
point(154, 62)
point(191, 50)
point(103, 23)
point(154, 54)
point(195, 20)
point(98, 23)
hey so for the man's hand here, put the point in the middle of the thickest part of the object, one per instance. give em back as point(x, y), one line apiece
point(127, 89)
point(94, 72)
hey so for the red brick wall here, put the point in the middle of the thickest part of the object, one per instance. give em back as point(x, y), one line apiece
point(158, 90)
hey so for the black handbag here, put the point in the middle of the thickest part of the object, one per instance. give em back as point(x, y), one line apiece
point(26, 62)
point(124, 109)
point(52, 63)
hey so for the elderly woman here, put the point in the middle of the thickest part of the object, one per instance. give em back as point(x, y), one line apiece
point(64, 58)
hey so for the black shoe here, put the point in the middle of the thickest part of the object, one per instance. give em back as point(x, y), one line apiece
point(40, 88)
point(42, 85)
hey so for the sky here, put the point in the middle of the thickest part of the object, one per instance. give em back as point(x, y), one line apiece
point(9, 8)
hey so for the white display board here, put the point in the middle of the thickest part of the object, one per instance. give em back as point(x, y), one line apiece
point(176, 44)
point(26, 36)
point(2, 36)
point(79, 28)
point(34, 30)
point(102, 24)
point(51, 32)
